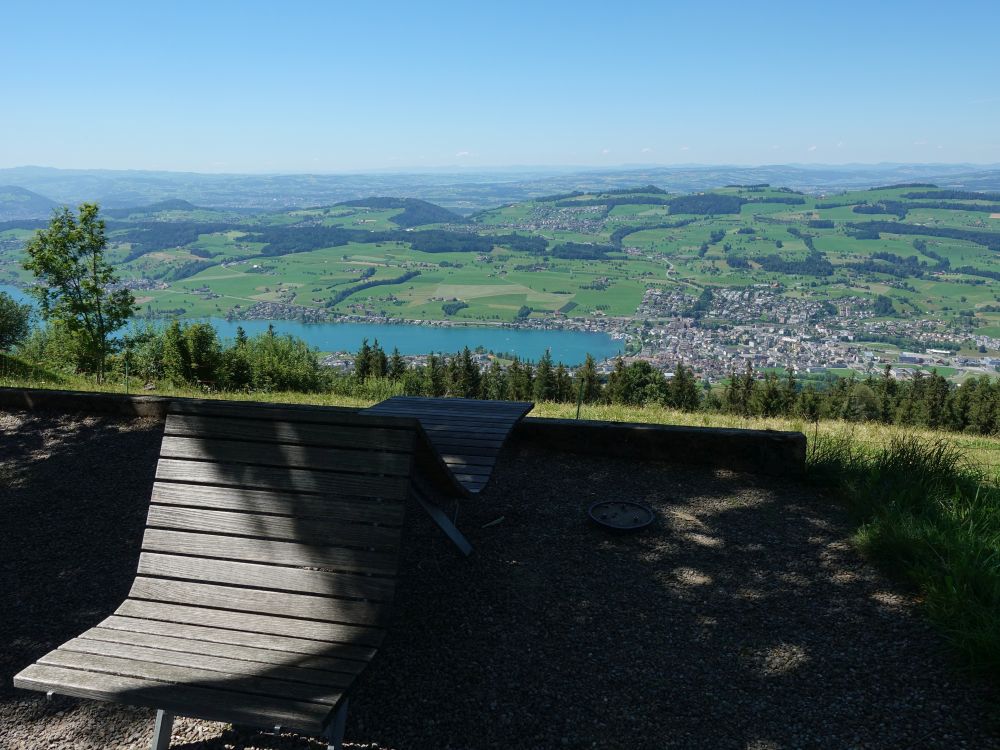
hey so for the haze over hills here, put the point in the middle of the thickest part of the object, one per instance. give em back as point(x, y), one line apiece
point(18, 203)
point(462, 191)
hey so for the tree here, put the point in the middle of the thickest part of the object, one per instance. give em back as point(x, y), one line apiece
point(545, 379)
point(76, 287)
point(564, 384)
point(469, 376)
point(587, 376)
point(397, 366)
point(769, 397)
point(176, 362)
point(494, 384)
point(436, 377)
point(15, 320)
point(636, 384)
point(362, 361)
point(236, 368)
point(682, 390)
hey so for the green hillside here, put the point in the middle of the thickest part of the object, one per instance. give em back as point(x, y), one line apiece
point(908, 251)
point(16, 203)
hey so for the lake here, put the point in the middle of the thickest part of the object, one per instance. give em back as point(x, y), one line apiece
point(570, 347)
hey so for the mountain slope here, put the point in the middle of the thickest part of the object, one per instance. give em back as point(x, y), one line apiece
point(18, 203)
point(415, 212)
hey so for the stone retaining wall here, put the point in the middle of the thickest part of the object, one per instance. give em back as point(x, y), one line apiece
point(759, 451)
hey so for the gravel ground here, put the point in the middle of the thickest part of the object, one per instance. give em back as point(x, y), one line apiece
point(741, 619)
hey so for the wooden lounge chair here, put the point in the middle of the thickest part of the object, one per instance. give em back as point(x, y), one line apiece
point(462, 440)
point(267, 568)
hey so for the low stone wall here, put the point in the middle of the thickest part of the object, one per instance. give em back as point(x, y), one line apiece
point(83, 402)
point(759, 451)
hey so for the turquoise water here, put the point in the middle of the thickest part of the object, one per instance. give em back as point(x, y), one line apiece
point(570, 347)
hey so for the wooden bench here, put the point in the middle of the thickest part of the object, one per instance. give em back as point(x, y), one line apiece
point(461, 441)
point(467, 433)
point(267, 568)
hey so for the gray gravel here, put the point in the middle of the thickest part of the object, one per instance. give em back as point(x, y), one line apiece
point(741, 619)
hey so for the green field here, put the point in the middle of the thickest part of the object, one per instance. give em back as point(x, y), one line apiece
point(202, 262)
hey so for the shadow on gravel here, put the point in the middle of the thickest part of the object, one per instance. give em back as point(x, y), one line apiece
point(741, 619)
point(73, 499)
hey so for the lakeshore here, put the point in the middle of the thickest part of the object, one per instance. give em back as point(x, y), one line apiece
point(568, 346)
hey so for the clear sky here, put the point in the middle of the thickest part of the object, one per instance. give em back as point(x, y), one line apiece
point(337, 86)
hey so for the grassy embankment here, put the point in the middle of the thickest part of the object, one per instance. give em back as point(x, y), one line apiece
point(926, 504)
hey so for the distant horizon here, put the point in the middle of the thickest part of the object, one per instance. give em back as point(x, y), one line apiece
point(537, 168)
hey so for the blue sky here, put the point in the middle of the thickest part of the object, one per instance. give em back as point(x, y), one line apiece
point(332, 86)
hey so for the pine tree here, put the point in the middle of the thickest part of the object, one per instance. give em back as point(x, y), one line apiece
point(588, 376)
point(616, 383)
point(362, 361)
point(176, 363)
point(789, 392)
point(397, 366)
point(378, 363)
point(494, 385)
point(564, 384)
point(436, 377)
point(769, 398)
point(545, 379)
point(682, 390)
point(468, 376)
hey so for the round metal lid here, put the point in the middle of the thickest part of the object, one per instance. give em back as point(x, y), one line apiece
point(621, 515)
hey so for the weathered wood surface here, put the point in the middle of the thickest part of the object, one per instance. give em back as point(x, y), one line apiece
point(465, 434)
point(267, 568)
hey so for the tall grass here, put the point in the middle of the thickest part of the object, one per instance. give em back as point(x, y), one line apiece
point(928, 515)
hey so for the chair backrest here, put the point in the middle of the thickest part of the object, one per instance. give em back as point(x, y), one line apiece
point(282, 519)
point(461, 437)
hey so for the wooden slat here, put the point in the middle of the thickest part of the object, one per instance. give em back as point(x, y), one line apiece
point(245, 653)
point(463, 449)
point(467, 433)
point(188, 700)
point(291, 480)
point(193, 676)
point(469, 479)
point(354, 635)
point(318, 531)
point(448, 438)
point(296, 456)
point(211, 662)
point(455, 416)
point(282, 432)
point(466, 469)
point(384, 512)
point(460, 403)
point(305, 606)
point(445, 406)
point(224, 637)
point(454, 459)
point(266, 551)
point(294, 413)
point(435, 426)
point(388, 409)
point(266, 576)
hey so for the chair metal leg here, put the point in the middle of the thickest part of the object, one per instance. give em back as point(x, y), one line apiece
point(335, 732)
point(161, 731)
point(444, 523)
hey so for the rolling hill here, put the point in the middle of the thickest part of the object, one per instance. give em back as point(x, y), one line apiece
point(17, 203)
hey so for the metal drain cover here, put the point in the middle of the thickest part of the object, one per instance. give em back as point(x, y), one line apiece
point(621, 515)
